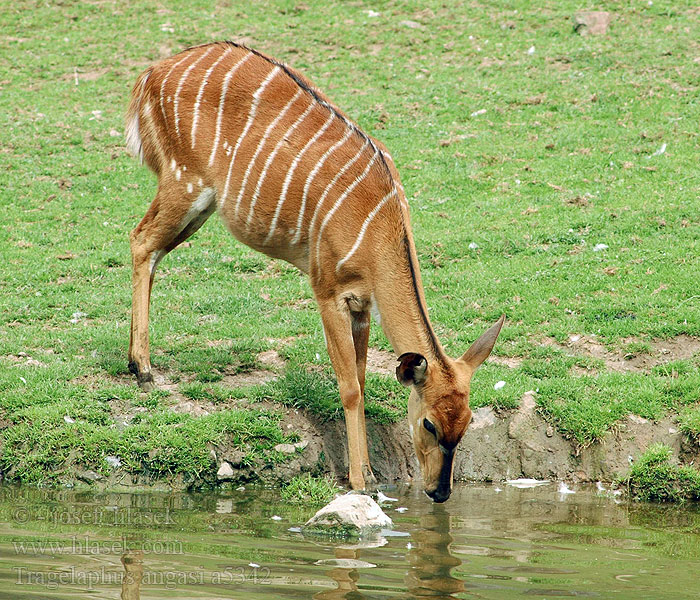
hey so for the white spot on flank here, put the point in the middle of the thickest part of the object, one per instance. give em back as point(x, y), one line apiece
point(364, 227)
point(173, 164)
point(312, 175)
point(222, 102)
point(165, 80)
point(269, 129)
point(190, 188)
point(410, 428)
point(176, 102)
point(338, 203)
point(200, 183)
point(200, 93)
point(178, 174)
point(249, 122)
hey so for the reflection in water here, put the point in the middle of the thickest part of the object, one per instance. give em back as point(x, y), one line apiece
point(430, 558)
point(346, 578)
point(133, 574)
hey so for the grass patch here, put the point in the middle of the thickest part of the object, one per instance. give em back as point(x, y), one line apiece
point(690, 422)
point(535, 158)
point(41, 447)
point(307, 489)
point(654, 476)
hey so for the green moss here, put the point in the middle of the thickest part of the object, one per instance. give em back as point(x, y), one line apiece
point(654, 476)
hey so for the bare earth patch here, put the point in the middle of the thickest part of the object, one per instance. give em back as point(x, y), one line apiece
point(681, 347)
point(512, 362)
point(381, 362)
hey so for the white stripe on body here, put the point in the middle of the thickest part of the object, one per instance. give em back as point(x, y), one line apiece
point(337, 204)
point(165, 80)
point(340, 173)
point(268, 162)
point(364, 227)
point(290, 174)
point(251, 118)
point(200, 93)
point(311, 177)
point(267, 133)
point(176, 98)
point(402, 196)
point(222, 100)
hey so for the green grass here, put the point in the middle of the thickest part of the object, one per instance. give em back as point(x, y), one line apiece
point(654, 476)
point(40, 447)
point(563, 159)
point(307, 489)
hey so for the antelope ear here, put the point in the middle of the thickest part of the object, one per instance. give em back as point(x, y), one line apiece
point(479, 351)
point(412, 369)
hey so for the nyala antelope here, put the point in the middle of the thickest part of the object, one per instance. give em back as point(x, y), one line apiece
point(228, 129)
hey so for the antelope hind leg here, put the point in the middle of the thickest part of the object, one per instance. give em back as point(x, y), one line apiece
point(168, 222)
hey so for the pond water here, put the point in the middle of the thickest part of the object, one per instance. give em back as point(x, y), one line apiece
point(485, 542)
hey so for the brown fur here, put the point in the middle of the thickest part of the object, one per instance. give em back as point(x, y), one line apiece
point(354, 238)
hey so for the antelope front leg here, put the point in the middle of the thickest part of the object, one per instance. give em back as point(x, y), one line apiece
point(337, 324)
point(360, 338)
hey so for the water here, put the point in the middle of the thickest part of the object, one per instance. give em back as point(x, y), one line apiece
point(483, 543)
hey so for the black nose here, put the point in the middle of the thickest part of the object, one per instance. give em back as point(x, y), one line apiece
point(440, 494)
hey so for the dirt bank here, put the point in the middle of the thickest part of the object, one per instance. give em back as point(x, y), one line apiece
point(496, 447)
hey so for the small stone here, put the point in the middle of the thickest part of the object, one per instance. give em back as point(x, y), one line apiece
point(225, 472)
point(301, 445)
point(592, 22)
point(348, 515)
point(113, 461)
point(286, 448)
point(88, 476)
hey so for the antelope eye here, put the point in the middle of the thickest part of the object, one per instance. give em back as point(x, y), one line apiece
point(430, 427)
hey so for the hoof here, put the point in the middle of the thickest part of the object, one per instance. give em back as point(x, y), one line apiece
point(144, 379)
point(147, 385)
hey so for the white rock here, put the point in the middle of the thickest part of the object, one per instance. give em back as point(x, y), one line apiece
point(599, 247)
point(68, 419)
point(499, 384)
point(225, 472)
point(401, 509)
point(348, 513)
point(473, 245)
point(481, 111)
point(531, 50)
point(372, 13)
point(526, 483)
point(113, 461)
point(276, 518)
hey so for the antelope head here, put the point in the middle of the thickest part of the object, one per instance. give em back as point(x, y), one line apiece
point(438, 408)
